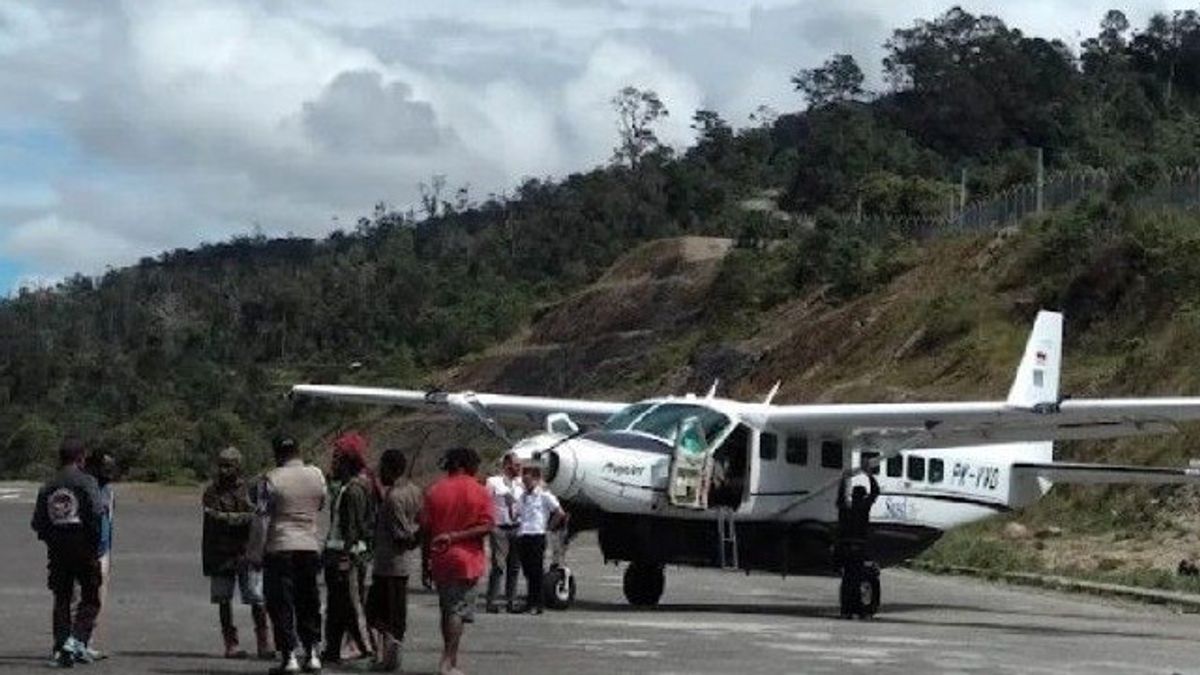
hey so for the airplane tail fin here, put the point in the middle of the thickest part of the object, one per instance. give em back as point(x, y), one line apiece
point(1036, 384)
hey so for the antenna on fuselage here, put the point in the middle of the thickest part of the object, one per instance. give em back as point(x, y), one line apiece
point(712, 391)
point(771, 394)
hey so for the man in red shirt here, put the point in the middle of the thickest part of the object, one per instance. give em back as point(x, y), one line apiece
point(456, 518)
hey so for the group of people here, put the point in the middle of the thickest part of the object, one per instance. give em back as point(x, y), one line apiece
point(261, 540)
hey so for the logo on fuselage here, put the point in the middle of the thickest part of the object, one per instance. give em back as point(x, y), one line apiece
point(624, 470)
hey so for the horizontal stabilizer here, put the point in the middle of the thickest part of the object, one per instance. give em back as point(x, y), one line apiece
point(1105, 474)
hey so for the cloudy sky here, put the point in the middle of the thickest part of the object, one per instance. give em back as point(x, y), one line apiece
point(131, 127)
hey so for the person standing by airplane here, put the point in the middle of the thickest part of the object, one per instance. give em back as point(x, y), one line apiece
point(456, 518)
point(284, 542)
point(228, 514)
point(67, 517)
point(347, 548)
point(505, 490)
point(103, 467)
point(851, 551)
point(397, 534)
point(538, 513)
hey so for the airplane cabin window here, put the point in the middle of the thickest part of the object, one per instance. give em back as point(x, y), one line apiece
point(868, 462)
point(895, 466)
point(937, 470)
point(916, 467)
point(768, 447)
point(831, 454)
point(797, 450)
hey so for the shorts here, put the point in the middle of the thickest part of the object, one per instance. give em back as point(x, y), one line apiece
point(249, 582)
point(457, 599)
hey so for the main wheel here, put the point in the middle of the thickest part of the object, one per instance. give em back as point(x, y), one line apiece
point(559, 587)
point(644, 583)
point(868, 594)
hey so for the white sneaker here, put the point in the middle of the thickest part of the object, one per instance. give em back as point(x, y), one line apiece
point(313, 665)
point(288, 667)
point(77, 650)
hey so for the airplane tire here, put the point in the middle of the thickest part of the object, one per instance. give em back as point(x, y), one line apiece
point(868, 592)
point(643, 584)
point(559, 588)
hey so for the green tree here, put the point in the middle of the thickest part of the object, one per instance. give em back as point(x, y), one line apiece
point(838, 80)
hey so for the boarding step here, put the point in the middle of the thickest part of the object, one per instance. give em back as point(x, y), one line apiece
point(727, 538)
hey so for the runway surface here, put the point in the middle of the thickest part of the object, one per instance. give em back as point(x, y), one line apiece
point(159, 620)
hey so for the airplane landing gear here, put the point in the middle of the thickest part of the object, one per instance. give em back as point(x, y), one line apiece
point(644, 583)
point(558, 587)
point(860, 590)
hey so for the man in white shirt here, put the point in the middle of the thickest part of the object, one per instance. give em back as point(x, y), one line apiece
point(505, 490)
point(538, 512)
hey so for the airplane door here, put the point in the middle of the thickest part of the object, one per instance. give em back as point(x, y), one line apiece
point(687, 484)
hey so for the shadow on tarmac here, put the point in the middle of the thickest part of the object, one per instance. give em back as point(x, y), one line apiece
point(888, 615)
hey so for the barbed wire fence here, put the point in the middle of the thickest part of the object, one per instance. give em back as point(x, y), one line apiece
point(1175, 188)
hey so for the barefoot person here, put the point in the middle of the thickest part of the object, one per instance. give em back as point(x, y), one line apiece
point(228, 513)
point(283, 539)
point(67, 517)
point(347, 549)
point(397, 532)
point(456, 518)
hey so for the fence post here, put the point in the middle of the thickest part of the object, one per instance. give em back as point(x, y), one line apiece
point(1041, 179)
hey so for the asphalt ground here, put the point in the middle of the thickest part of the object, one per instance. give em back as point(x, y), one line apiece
point(159, 620)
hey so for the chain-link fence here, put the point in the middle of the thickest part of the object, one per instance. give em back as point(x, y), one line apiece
point(1178, 188)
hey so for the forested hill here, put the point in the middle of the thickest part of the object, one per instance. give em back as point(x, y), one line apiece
point(166, 361)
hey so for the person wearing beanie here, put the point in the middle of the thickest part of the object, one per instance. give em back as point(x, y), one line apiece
point(228, 513)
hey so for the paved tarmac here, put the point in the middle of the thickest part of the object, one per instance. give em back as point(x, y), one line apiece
point(159, 619)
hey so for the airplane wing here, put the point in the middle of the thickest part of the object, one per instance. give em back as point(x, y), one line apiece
point(987, 422)
point(470, 404)
point(1101, 474)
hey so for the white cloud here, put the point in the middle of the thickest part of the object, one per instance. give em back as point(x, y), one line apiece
point(191, 120)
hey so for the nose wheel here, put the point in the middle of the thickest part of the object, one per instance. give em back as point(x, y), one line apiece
point(644, 583)
point(559, 587)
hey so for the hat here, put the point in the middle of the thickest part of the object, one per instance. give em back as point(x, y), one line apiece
point(351, 445)
point(230, 454)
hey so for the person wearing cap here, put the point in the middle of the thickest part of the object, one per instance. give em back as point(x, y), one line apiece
point(505, 490)
point(283, 539)
point(348, 547)
point(228, 513)
point(538, 512)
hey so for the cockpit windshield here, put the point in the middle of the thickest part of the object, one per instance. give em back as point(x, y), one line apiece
point(662, 420)
point(623, 418)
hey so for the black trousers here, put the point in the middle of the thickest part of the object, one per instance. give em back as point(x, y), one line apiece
point(345, 596)
point(293, 600)
point(532, 548)
point(68, 568)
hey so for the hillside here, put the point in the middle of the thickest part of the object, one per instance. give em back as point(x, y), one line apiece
point(832, 248)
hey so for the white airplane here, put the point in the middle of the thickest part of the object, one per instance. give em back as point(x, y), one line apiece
point(712, 482)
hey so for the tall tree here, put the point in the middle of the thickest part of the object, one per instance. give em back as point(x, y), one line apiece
point(838, 80)
point(638, 111)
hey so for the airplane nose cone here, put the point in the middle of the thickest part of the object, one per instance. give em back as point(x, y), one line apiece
point(559, 469)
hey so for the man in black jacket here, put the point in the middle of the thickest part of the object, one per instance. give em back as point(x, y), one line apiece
point(67, 518)
point(854, 526)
